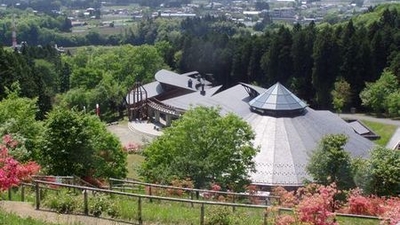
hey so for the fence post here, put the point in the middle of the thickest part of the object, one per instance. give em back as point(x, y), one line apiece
point(9, 193)
point(85, 202)
point(233, 201)
point(151, 200)
point(140, 211)
point(191, 198)
point(37, 191)
point(202, 214)
point(22, 192)
point(266, 216)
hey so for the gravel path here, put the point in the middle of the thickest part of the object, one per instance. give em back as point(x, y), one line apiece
point(26, 210)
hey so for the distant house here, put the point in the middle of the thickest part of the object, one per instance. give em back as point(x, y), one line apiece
point(78, 23)
point(287, 130)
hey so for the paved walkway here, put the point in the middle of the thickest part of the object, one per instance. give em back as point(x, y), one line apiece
point(134, 132)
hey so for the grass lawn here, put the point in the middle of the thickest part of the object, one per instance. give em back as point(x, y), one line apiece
point(386, 131)
point(134, 162)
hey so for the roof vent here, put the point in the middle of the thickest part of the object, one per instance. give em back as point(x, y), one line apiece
point(190, 83)
point(202, 92)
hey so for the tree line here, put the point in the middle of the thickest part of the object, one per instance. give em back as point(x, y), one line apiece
point(307, 59)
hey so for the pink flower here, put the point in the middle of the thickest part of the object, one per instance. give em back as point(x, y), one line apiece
point(12, 171)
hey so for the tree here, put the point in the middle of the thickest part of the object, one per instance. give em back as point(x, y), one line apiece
point(340, 94)
point(302, 49)
point(374, 95)
point(326, 59)
point(79, 144)
point(17, 118)
point(381, 173)
point(393, 103)
point(330, 163)
point(205, 147)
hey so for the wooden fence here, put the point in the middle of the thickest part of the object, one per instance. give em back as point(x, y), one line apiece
point(40, 185)
point(265, 199)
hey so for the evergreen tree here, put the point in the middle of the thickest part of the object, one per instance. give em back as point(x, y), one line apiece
point(326, 59)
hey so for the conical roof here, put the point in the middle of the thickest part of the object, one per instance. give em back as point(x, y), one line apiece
point(277, 98)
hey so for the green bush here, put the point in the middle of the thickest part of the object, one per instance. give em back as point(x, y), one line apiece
point(218, 215)
point(64, 202)
point(102, 203)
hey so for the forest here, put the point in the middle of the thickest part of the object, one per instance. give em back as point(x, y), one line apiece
point(308, 59)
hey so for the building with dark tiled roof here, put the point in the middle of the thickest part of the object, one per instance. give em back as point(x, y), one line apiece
point(287, 130)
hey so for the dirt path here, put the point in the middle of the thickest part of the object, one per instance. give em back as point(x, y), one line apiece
point(26, 210)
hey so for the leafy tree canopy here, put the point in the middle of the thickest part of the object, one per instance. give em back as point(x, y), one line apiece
point(330, 163)
point(340, 94)
point(380, 174)
point(79, 144)
point(17, 118)
point(205, 147)
point(375, 94)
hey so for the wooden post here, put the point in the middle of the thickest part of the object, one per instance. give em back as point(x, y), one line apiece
point(85, 202)
point(22, 193)
point(9, 193)
point(202, 214)
point(233, 201)
point(140, 220)
point(191, 198)
point(37, 191)
point(151, 200)
point(266, 216)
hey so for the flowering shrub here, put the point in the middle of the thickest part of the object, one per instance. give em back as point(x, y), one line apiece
point(16, 147)
point(391, 214)
point(363, 205)
point(9, 142)
point(286, 198)
point(316, 204)
point(187, 183)
point(318, 208)
point(212, 194)
point(285, 220)
point(253, 190)
point(133, 148)
point(13, 172)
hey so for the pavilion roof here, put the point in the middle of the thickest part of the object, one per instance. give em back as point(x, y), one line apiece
point(277, 97)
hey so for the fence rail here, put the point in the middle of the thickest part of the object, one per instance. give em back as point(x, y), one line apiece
point(39, 185)
point(202, 204)
point(194, 191)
